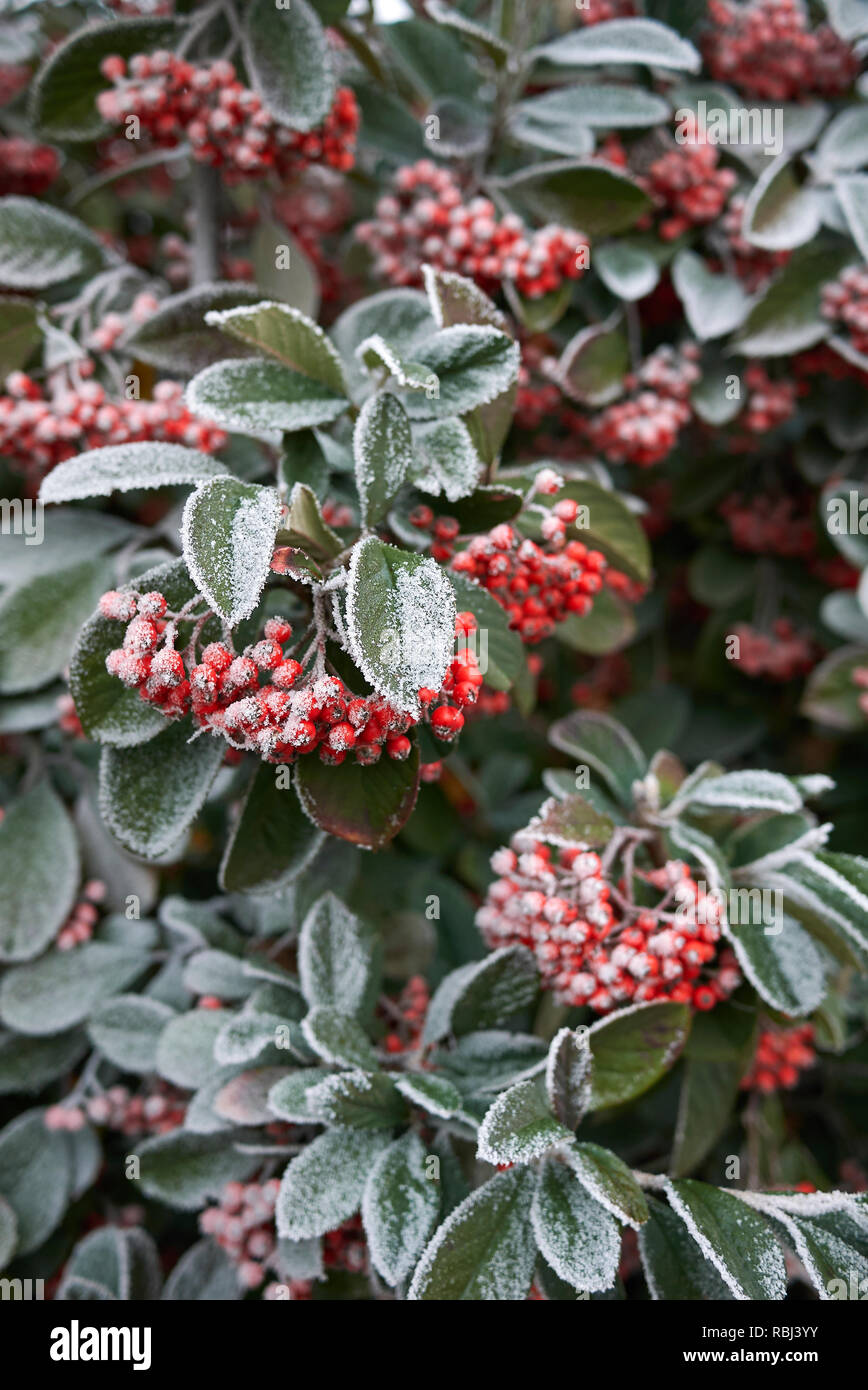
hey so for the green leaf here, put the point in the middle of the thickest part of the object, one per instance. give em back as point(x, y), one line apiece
point(482, 993)
point(287, 334)
point(844, 142)
point(786, 318)
point(594, 363)
point(8, 1233)
point(41, 246)
point(519, 1126)
point(39, 869)
point(780, 960)
point(383, 452)
point(609, 1181)
point(733, 1237)
point(203, 1273)
point(402, 317)
point(493, 45)
point(304, 526)
point(432, 1093)
point(124, 467)
point(338, 1038)
point(379, 356)
point(593, 198)
point(40, 620)
point(400, 621)
point(176, 337)
point(714, 304)
point(288, 1098)
point(228, 531)
point(606, 746)
point(63, 98)
point(324, 1186)
point(486, 1062)
point(121, 1264)
point(184, 1170)
point(338, 958)
point(399, 1208)
point(149, 795)
point(289, 60)
point(628, 271)
point(108, 710)
point(61, 988)
point(717, 1055)
point(633, 1048)
point(499, 650)
point(673, 1263)
point(456, 299)
point(185, 1051)
point(571, 820)
point(576, 1236)
point(555, 120)
point(360, 1099)
point(256, 394)
point(622, 41)
point(19, 333)
point(35, 1177)
point(610, 625)
point(568, 1075)
point(484, 1250)
point(474, 365)
point(272, 840)
point(611, 527)
point(28, 1064)
point(127, 1029)
point(780, 213)
point(445, 461)
point(365, 805)
point(754, 790)
point(832, 1245)
point(852, 191)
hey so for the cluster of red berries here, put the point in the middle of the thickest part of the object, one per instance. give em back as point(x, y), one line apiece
point(644, 428)
point(425, 219)
point(406, 1016)
point(25, 167)
point(84, 916)
point(687, 186)
point(538, 588)
point(112, 326)
point(592, 951)
point(769, 403)
point(39, 430)
point(779, 655)
point(178, 262)
point(156, 1111)
point(293, 714)
point(767, 525)
point(225, 122)
point(242, 1223)
point(342, 1249)
point(780, 1055)
point(845, 302)
point(752, 264)
point(767, 49)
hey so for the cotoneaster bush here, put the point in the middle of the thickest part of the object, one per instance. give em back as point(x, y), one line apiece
point(433, 651)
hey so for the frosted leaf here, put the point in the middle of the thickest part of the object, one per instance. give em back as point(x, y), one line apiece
point(41, 246)
point(185, 1051)
point(623, 41)
point(218, 973)
point(433, 1093)
point(737, 1241)
point(609, 1181)
point(493, 44)
point(482, 993)
point(484, 1251)
point(299, 1259)
point(814, 838)
point(817, 882)
point(203, 1273)
point(247, 1035)
point(519, 1126)
point(288, 1098)
point(39, 870)
point(400, 621)
point(456, 299)
point(568, 1076)
point(383, 453)
point(809, 1203)
point(289, 60)
point(604, 745)
point(287, 334)
point(126, 1030)
point(399, 1208)
point(402, 317)
point(674, 1266)
point(577, 1238)
point(445, 460)
point(755, 790)
point(255, 395)
point(484, 1063)
point(337, 1038)
point(570, 821)
point(363, 1099)
point(633, 1048)
point(122, 467)
point(150, 794)
point(175, 337)
point(35, 1177)
point(832, 1244)
point(474, 365)
point(324, 1185)
point(60, 989)
point(375, 353)
point(697, 847)
point(784, 965)
point(184, 1170)
point(337, 957)
point(227, 531)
